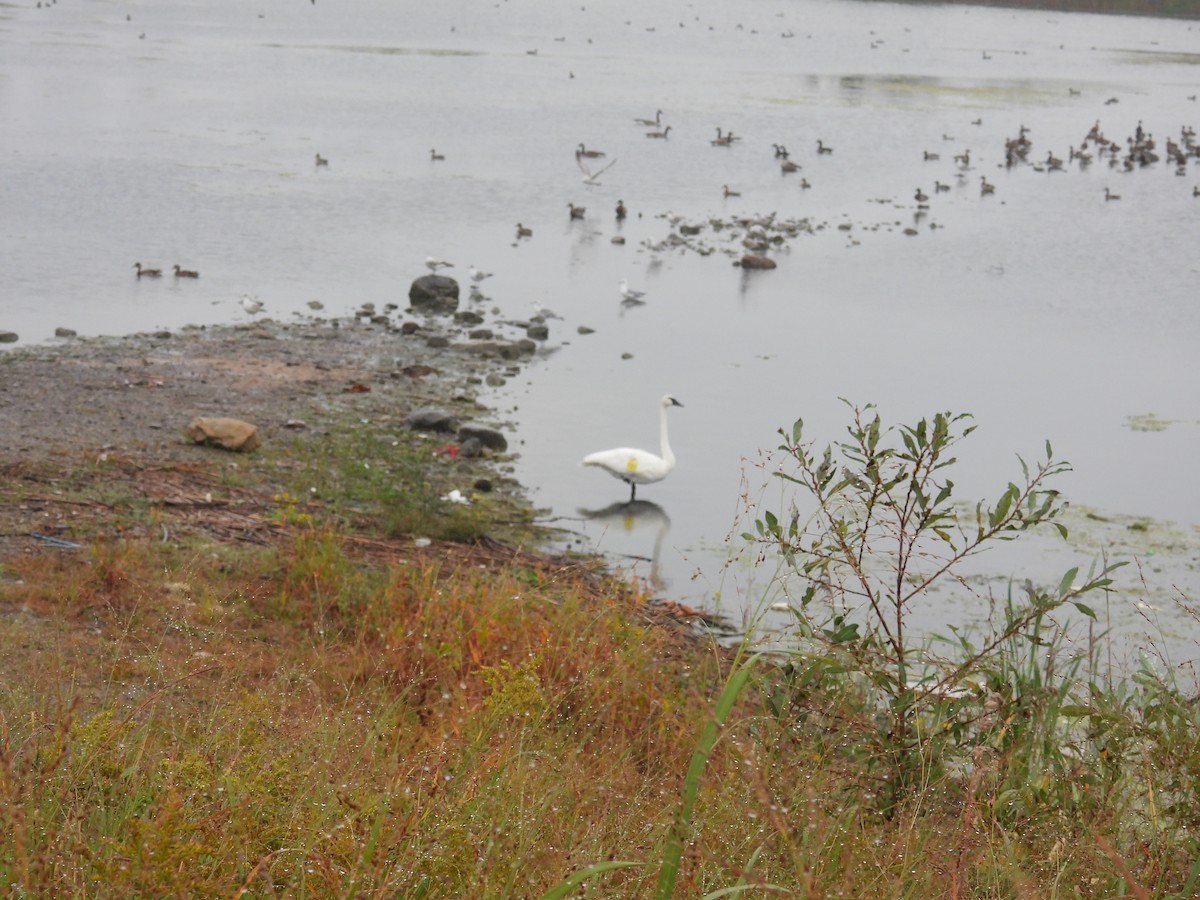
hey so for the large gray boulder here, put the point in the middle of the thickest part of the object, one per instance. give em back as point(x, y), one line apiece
point(434, 294)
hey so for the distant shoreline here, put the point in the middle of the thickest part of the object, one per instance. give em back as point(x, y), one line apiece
point(1157, 9)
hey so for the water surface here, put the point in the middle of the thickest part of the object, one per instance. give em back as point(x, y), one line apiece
point(187, 134)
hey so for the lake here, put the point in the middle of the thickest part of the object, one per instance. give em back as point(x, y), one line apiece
point(186, 133)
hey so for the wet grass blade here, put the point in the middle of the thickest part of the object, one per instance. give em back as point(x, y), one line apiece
point(573, 881)
point(691, 785)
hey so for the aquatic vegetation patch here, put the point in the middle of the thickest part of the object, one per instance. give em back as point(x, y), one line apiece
point(1155, 57)
point(402, 51)
point(378, 51)
point(1148, 422)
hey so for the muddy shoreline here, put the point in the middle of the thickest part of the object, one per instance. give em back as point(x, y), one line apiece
point(87, 402)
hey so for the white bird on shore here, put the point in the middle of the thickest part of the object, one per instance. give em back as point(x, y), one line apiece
point(476, 275)
point(251, 304)
point(629, 295)
point(635, 466)
point(543, 312)
point(433, 264)
point(590, 177)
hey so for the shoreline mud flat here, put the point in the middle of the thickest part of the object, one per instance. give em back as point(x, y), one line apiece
point(101, 401)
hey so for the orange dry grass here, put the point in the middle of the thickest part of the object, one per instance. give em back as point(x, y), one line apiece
point(340, 717)
point(271, 719)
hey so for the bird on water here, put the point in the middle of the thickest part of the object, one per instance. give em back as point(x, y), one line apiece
point(634, 466)
point(590, 177)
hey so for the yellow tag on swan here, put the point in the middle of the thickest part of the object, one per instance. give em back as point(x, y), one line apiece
point(631, 465)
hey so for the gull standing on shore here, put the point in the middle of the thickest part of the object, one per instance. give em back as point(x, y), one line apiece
point(629, 295)
point(433, 264)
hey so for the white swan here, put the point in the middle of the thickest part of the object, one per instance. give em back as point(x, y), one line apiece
point(635, 466)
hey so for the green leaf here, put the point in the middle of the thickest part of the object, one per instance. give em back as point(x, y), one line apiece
point(945, 492)
point(844, 634)
point(1085, 609)
point(1065, 586)
point(1075, 710)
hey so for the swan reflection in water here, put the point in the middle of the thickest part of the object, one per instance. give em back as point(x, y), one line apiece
point(635, 518)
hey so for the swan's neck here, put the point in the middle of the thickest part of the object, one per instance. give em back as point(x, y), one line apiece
point(664, 444)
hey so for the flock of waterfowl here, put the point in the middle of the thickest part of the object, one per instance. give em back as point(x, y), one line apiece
point(723, 139)
point(756, 234)
point(145, 272)
point(759, 234)
point(1138, 151)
